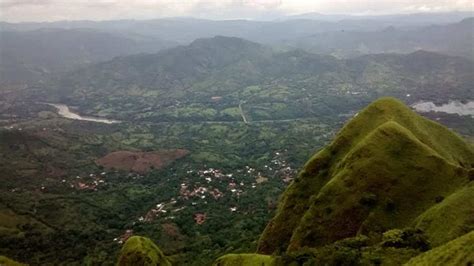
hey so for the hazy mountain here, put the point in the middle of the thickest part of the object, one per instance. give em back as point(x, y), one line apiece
point(226, 66)
point(454, 39)
point(186, 30)
point(29, 51)
point(415, 19)
point(28, 56)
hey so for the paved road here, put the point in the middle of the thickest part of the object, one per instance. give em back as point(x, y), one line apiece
point(242, 114)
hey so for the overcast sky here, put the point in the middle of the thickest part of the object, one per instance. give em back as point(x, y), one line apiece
point(52, 10)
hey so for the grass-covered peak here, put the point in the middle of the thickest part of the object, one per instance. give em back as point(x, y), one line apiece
point(384, 170)
point(446, 143)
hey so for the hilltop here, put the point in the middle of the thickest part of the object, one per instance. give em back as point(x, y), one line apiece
point(385, 169)
point(391, 185)
point(141, 251)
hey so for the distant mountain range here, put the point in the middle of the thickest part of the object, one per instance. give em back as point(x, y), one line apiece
point(227, 67)
point(186, 30)
point(28, 56)
point(30, 51)
point(400, 19)
point(453, 39)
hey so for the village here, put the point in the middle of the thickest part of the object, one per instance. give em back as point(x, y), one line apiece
point(199, 187)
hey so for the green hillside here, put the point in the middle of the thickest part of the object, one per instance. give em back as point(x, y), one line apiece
point(457, 252)
point(387, 168)
point(210, 78)
point(141, 251)
point(245, 259)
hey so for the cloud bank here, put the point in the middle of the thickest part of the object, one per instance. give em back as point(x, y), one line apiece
point(51, 10)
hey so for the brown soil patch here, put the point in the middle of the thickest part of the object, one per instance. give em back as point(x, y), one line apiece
point(172, 231)
point(140, 162)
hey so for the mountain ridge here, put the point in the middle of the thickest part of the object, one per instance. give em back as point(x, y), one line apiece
point(227, 67)
point(366, 153)
point(32, 55)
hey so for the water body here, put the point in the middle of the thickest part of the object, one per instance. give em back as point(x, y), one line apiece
point(452, 107)
point(63, 110)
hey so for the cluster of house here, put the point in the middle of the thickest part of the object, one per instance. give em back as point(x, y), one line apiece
point(124, 237)
point(200, 192)
point(197, 187)
point(282, 169)
point(90, 183)
point(161, 208)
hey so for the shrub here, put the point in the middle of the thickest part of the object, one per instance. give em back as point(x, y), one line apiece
point(407, 238)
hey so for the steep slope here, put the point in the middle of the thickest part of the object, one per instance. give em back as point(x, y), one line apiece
point(141, 251)
point(386, 168)
point(457, 252)
point(450, 218)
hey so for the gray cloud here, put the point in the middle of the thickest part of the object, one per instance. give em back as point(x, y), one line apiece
point(49, 10)
point(14, 3)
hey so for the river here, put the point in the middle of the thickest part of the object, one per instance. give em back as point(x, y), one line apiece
point(452, 107)
point(63, 110)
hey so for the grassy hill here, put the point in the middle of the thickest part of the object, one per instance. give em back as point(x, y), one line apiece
point(386, 169)
point(141, 251)
point(457, 252)
point(391, 186)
